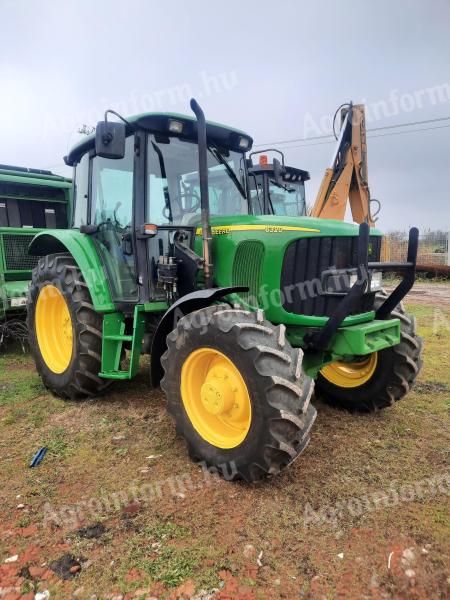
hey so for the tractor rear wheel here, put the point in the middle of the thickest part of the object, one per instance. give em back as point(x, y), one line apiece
point(237, 392)
point(380, 379)
point(65, 331)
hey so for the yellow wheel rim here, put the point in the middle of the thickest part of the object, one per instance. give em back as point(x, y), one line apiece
point(215, 398)
point(53, 326)
point(350, 375)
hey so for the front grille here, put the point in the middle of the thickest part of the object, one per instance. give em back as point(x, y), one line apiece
point(304, 262)
point(15, 251)
point(247, 269)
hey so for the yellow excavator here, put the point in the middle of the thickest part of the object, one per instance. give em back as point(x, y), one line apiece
point(347, 178)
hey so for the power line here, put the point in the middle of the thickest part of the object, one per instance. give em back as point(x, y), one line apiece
point(321, 137)
point(369, 136)
point(411, 131)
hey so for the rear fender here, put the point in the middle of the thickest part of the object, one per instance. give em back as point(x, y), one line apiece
point(84, 252)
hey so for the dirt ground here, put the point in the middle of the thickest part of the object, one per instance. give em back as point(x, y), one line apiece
point(427, 293)
point(116, 509)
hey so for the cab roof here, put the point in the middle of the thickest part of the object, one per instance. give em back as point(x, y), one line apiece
point(291, 173)
point(25, 175)
point(158, 123)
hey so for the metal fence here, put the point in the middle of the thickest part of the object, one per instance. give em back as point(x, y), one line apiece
point(433, 248)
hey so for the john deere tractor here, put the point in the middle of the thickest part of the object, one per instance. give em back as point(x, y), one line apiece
point(276, 189)
point(239, 312)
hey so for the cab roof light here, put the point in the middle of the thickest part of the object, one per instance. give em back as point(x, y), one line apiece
point(244, 143)
point(175, 126)
point(263, 160)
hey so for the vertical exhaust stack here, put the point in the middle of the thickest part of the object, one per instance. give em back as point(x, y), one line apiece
point(204, 192)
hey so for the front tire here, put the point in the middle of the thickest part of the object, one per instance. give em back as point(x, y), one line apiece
point(65, 331)
point(237, 393)
point(382, 378)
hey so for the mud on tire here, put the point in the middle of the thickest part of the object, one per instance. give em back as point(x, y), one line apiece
point(279, 390)
point(80, 379)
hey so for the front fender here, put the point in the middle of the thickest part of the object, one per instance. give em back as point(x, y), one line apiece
point(85, 254)
point(185, 305)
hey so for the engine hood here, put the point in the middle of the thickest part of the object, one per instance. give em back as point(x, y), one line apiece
point(282, 224)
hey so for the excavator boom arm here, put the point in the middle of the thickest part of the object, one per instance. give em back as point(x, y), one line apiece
point(347, 176)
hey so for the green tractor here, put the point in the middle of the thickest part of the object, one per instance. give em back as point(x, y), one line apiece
point(30, 200)
point(276, 189)
point(241, 313)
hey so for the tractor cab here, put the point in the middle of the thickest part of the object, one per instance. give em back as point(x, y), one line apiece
point(143, 206)
point(276, 189)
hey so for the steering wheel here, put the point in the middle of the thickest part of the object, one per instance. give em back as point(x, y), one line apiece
point(191, 194)
point(186, 193)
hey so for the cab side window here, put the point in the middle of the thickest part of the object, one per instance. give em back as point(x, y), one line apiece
point(81, 188)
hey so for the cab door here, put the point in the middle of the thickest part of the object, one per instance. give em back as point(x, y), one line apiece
point(111, 207)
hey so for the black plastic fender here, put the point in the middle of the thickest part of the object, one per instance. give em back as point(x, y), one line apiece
point(185, 305)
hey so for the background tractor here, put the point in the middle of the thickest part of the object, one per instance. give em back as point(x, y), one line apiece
point(276, 189)
point(240, 312)
point(30, 200)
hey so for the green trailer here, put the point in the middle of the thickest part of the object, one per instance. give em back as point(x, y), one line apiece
point(31, 200)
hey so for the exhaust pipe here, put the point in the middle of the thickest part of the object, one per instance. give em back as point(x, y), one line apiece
point(204, 192)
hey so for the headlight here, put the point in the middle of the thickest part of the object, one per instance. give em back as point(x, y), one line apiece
point(352, 279)
point(339, 282)
point(376, 281)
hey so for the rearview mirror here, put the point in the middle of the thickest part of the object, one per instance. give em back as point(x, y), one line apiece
point(277, 172)
point(110, 139)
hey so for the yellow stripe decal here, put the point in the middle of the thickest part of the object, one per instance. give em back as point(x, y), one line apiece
point(223, 229)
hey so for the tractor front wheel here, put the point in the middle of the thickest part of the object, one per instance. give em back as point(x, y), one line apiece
point(237, 392)
point(380, 379)
point(65, 331)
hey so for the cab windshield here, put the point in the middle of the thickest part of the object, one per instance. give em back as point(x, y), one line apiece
point(290, 201)
point(173, 182)
point(287, 200)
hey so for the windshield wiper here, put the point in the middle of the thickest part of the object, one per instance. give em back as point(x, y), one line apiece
point(215, 152)
point(283, 186)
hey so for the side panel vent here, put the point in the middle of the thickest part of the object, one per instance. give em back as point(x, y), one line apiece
point(15, 251)
point(247, 268)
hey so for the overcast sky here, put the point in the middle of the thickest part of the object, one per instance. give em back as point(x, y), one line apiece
point(278, 70)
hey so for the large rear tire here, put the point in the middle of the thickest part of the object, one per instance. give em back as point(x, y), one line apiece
point(65, 331)
point(237, 392)
point(379, 380)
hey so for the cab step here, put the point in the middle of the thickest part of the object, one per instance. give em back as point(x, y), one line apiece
point(113, 339)
point(114, 375)
point(118, 338)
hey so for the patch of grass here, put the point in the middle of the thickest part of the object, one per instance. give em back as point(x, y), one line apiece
point(171, 567)
point(431, 326)
point(16, 385)
point(149, 551)
point(24, 521)
point(58, 442)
